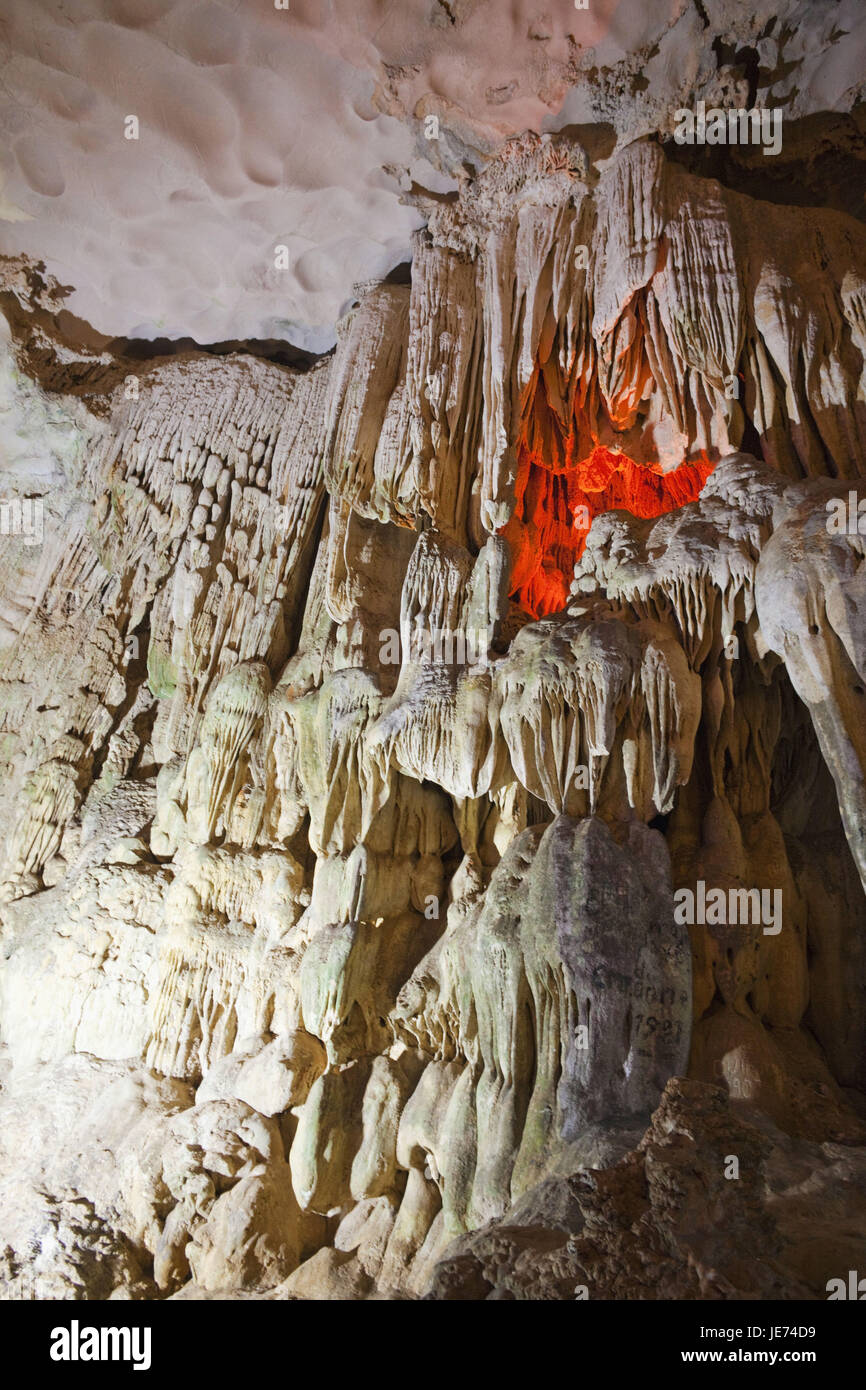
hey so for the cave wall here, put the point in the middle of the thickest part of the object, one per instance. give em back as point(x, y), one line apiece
point(355, 787)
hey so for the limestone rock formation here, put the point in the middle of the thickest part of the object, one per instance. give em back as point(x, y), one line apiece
point(434, 778)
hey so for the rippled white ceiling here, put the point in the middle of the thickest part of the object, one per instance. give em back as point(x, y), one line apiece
point(262, 128)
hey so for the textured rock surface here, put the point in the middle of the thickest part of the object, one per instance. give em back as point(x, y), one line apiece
point(664, 1223)
point(264, 126)
point(353, 784)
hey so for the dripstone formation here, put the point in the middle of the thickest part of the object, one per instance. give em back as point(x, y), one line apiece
point(399, 756)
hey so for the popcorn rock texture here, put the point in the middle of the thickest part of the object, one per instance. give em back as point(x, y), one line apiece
point(340, 963)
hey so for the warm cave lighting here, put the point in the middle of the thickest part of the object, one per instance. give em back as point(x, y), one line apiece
point(432, 808)
point(555, 510)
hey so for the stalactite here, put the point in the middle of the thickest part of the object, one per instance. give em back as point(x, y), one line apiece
point(389, 743)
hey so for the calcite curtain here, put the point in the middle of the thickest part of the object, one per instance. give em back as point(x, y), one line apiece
point(401, 755)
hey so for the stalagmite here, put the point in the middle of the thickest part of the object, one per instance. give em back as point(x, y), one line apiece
point(435, 774)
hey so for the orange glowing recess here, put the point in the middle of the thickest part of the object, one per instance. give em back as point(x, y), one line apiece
point(557, 497)
point(554, 512)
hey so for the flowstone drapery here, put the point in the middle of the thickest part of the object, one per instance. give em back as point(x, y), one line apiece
point(364, 726)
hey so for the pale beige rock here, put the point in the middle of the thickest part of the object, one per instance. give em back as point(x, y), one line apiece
point(338, 892)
